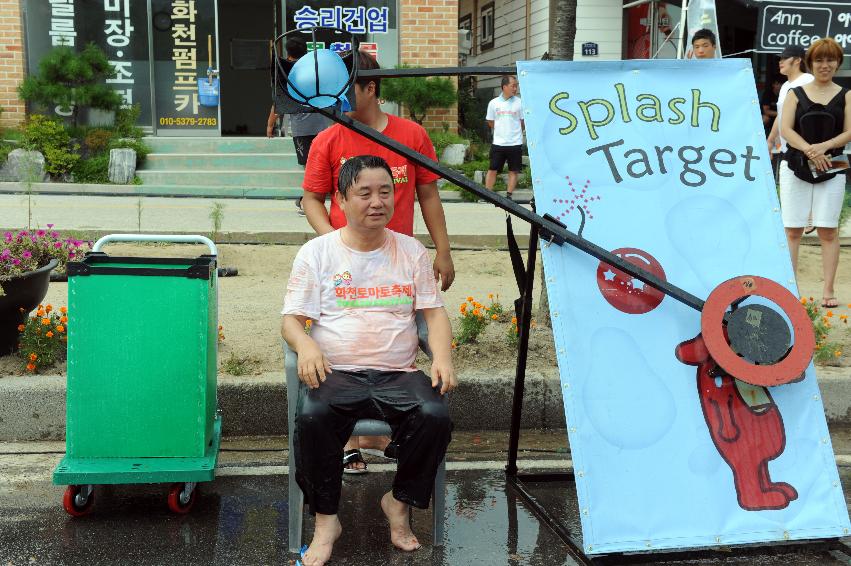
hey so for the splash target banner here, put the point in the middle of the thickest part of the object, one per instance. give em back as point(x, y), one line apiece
point(668, 162)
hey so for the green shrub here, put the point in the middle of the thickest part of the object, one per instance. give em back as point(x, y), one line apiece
point(5, 150)
point(95, 169)
point(72, 81)
point(126, 119)
point(50, 137)
point(419, 94)
point(59, 160)
point(97, 140)
point(443, 138)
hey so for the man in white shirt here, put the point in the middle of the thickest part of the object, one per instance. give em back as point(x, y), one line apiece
point(361, 285)
point(505, 118)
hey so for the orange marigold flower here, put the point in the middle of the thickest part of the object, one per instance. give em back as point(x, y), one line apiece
point(476, 312)
point(30, 367)
point(837, 353)
point(60, 328)
point(803, 300)
point(48, 308)
point(63, 310)
point(470, 299)
point(33, 357)
point(39, 313)
point(21, 327)
point(513, 320)
point(490, 295)
point(829, 314)
point(45, 321)
point(64, 319)
point(49, 334)
point(494, 317)
point(454, 344)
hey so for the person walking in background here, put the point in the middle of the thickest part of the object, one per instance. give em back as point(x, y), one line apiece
point(813, 139)
point(505, 118)
point(304, 126)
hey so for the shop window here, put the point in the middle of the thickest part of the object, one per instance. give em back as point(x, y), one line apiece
point(487, 20)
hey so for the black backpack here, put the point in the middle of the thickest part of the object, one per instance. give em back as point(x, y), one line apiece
point(816, 124)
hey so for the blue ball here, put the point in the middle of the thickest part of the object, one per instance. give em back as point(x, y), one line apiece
point(333, 76)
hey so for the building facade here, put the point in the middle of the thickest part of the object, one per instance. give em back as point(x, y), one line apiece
point(164, 50)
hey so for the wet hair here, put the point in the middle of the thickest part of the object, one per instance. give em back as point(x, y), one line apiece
point(350, 171)
point(296, 47)
point(367, 62)
point(704, 34)
point(825, 47)
point(506, 80)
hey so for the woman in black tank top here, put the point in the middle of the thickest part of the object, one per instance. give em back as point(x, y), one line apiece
point(816, 123)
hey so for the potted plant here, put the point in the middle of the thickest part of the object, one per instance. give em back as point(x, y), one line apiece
point(26, 259)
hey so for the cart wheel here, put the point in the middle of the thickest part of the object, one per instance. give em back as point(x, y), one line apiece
point(71, 503)
point(177, 502)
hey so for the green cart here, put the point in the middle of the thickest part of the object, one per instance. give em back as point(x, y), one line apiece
point(142, 359)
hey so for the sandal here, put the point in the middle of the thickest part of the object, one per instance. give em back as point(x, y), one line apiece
point(829, 302)
point(351, 458)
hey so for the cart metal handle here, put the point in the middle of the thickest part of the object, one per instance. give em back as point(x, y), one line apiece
point(171, 238)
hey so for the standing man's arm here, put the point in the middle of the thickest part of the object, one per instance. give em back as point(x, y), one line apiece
point(318, 181)
point(313, 205)
point(435, 221)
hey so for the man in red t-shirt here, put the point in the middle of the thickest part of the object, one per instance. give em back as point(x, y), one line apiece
point(333, 146)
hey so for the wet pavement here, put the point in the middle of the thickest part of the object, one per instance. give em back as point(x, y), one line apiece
point(241, 517)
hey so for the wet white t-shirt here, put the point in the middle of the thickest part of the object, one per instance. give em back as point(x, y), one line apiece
point(363, 303)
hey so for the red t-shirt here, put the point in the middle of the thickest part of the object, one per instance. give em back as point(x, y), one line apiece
point(335, 145)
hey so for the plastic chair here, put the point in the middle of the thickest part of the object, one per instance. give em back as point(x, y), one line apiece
point(364, 427)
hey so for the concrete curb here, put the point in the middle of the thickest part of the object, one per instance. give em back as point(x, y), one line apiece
point(34, 406)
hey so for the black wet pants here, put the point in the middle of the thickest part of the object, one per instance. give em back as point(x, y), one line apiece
point(326, 416)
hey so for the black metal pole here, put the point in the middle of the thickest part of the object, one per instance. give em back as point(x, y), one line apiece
point(524, 320)
point(553, 231)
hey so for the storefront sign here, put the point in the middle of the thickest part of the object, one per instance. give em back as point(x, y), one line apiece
point(354, 19)
point(184, 41)
point(784, 23)
point(119, 27)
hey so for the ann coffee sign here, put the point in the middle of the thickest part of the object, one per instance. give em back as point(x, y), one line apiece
point(784, 23)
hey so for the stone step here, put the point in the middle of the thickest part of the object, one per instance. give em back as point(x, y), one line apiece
point(219, 145)
point(220, 162)
point(236, 179)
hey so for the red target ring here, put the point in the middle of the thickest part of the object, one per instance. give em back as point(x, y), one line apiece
point(786, 370)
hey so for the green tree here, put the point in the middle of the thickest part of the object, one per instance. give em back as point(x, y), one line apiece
point(419, 94)
point(72, 81)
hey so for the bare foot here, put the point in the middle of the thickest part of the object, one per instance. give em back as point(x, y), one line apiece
point(373, 442)
point(325, 534)
point(397, 514)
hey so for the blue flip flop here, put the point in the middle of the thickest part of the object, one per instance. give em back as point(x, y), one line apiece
point(301, 554)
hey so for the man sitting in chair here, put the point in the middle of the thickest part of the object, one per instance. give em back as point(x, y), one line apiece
point(361, 286)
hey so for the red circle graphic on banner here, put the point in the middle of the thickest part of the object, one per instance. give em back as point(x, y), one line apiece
point(623, 291)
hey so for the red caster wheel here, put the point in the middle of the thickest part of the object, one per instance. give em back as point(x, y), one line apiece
point(78, 500)
point(181, 497)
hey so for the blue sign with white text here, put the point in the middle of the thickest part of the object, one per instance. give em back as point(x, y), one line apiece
point(667, 162)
